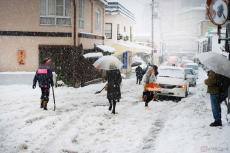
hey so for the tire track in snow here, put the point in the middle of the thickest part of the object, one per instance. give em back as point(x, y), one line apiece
point(149, 141)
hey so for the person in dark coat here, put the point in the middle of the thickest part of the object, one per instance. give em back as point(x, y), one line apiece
point(44, 77)
point(216, 96)
point(139, 74)
point(113, 87)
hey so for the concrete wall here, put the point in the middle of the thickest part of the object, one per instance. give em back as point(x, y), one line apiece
point(10, 45)
point(24, 15)
point(89, 26)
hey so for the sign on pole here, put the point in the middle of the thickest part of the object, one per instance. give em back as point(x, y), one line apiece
point(125, 60)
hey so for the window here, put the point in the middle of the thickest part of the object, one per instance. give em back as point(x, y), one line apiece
point(108, 30)
point(119, 36)
point(55, 12)
point(98, 16)
point(81, 14)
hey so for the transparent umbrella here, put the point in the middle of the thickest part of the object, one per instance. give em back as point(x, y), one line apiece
point(108, 63)
point(215, 62)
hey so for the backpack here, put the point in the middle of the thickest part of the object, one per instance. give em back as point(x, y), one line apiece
point(223, 83)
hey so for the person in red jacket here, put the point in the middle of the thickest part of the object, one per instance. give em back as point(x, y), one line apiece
point(44, 77)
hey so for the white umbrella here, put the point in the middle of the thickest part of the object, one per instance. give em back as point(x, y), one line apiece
point(215, 62)
point(108, 63)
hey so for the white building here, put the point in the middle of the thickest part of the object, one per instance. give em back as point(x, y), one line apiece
point(181, 20)
point(119, 23)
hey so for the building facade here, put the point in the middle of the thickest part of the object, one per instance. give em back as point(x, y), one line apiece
point(27, 24)
point(119, 31)
point(119, 23)
point(181, 25)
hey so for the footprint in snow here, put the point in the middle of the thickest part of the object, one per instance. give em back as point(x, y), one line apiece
point(30, 121)
point(68, 151)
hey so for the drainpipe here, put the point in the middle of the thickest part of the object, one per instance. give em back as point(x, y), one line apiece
point(103, 26)
point(74, 23)
point(92, 13)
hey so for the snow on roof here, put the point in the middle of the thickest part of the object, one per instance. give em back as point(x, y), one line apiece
point(88, 33)
point(135, 46)
point(106, 48)
point(171, 67)
point(191, 64)
point(93, 55)
point(202, 39)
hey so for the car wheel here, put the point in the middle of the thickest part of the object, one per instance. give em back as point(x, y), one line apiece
point(177, 99)
point(186, 93)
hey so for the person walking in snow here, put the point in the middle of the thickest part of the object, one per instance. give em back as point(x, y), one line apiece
point(44, 77)
point(218, 92)
point(113, 87)
point(139, 74)
point(150, 78)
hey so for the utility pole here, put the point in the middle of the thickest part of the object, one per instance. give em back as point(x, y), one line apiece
point(152, 53)
point(74, 23)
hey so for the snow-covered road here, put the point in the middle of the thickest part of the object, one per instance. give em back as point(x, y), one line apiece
point(83, 124)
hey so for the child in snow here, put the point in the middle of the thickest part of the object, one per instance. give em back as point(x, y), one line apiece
point(44, 77)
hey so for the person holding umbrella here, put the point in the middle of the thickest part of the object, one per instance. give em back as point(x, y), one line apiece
point(113, 87)
point(217, 82)
point(113, 76)
point(44, 77)
point(217, 88)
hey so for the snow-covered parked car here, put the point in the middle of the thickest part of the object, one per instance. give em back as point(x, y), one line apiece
point(191, 77)
point(194, 66)
point(172, 82)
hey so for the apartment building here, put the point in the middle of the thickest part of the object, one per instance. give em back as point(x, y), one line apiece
point(28, 24)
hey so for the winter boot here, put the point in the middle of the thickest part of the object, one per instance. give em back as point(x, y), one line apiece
point(146, 104)
point(216, 123)
point(41, 104)
point(45, 105)
point(114, 105)
point(110, 107)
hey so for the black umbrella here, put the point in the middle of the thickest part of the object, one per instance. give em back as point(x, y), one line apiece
point(136, 64)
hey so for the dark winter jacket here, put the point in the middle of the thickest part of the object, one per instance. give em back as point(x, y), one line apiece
point(114, 81)
point(211, 82)
point(139, 72)
point(44, 77)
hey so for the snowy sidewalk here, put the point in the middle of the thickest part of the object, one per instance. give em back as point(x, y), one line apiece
point(83, 124)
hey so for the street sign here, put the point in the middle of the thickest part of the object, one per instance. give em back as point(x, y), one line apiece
point(217, 11)
point(125, 60)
